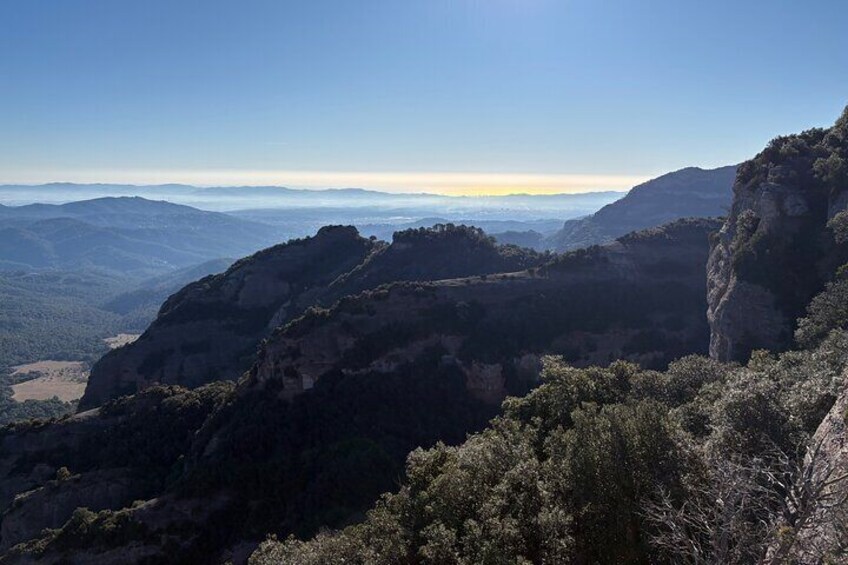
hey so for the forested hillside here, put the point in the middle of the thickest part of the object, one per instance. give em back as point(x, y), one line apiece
point(687, 193)
point(211, 329)
point(452, 282)
point(128, 236)
point(36, 305)
point(608, 465)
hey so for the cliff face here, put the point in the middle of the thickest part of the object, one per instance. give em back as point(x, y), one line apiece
point(776, 249)
point(211, 329)
point(782, 242)
point(826, 465)
point(50, 505)
point(687, 193)
point(640, 298)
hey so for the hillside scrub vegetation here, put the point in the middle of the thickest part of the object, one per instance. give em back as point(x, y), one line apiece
point(608, 465)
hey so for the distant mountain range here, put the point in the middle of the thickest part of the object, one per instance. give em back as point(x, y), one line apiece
point(281, 213)
point(130, 235)
point(690, 192)
point(229, 198)
point(136, 252)
point(143, 301)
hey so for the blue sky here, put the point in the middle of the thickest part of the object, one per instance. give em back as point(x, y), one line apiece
point(442, 95)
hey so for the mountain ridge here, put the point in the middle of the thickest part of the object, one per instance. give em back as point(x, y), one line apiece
point(688, 192)
point(125, 234)
point(275, 285)
point(81, 186)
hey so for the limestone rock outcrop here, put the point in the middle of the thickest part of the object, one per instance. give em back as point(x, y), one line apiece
point(211, 329)
point(641, 298)
point(777, 248)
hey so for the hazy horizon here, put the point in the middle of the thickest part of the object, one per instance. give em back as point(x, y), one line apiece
point(429, 183)
point(322, 188)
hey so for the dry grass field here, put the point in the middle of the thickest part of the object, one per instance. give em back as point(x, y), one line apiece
point(63, 379)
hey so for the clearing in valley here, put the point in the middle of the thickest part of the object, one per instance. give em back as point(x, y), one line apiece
point(63, 379)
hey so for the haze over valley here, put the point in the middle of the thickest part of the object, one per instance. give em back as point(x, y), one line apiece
point(114, 259)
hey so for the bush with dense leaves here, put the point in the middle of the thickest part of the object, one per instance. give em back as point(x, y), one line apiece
point(568, 472)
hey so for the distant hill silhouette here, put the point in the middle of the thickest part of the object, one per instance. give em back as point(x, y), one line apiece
point(126, 234)
point(687, 193)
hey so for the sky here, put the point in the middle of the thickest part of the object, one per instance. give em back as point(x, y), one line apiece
point(447, 96)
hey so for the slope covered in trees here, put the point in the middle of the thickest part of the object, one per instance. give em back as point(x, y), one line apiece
point(128, 236)
point(212, 328)
point(600, 465)
point(687, 193)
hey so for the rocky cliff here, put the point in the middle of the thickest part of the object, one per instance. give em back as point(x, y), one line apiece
point(824, 536)
point(211, 329)
point(777, 248)
point(640, 298)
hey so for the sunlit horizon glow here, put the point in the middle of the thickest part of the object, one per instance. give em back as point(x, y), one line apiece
point(580, 95)
point(444, 183)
